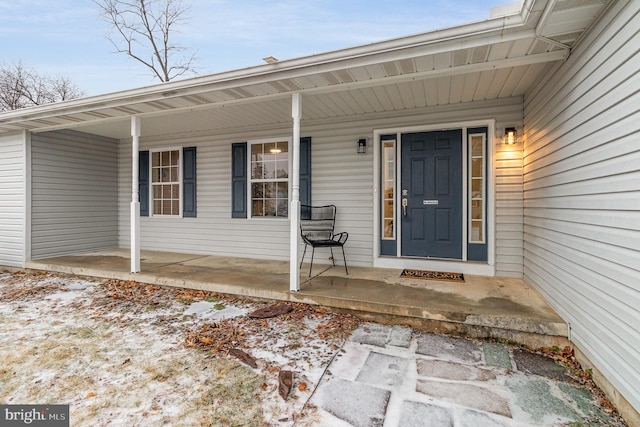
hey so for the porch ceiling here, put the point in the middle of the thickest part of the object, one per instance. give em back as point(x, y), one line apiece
point(498, 58)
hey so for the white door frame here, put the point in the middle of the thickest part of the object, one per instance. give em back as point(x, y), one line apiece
point(462, 266)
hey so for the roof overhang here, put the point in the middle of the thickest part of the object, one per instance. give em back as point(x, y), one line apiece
point(499, 57)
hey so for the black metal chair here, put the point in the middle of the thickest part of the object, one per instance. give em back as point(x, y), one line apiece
point(316, 229)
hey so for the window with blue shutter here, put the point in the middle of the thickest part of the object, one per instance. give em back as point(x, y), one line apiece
point(240, 176)
point(166, 188)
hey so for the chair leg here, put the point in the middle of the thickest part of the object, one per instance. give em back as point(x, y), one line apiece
point(332, 259)
point(303, 254)
point(345, 260)
point(313, 251)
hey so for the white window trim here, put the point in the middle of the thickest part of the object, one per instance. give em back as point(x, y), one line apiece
point(152, 214)
point(250, 216)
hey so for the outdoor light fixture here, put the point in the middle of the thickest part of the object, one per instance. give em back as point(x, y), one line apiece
point(362, 146)
point(509, 136)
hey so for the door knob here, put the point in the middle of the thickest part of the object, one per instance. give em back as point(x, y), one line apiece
point(405, 202)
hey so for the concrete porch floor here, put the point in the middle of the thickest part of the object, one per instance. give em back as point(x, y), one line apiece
point(483, 307)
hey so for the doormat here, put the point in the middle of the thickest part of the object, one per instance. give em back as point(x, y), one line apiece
point(432, 275)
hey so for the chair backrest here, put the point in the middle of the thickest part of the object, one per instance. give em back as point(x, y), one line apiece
point(317, 222)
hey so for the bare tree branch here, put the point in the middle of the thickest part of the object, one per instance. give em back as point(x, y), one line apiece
point(144, 30)
point(22, 87)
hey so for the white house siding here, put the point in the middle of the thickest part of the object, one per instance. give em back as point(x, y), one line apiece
point(12, 199)
point(340, 176)
point(74, 193)
point(582, 195)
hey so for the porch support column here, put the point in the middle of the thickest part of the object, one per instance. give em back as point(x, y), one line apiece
point(135, 195)
point(294, 211)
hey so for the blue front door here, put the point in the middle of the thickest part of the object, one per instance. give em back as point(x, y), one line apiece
point(431, 194)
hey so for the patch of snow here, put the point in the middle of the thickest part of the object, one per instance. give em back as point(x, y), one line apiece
point(208, 311)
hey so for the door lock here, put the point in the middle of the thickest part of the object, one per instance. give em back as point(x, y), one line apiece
point(405, 202)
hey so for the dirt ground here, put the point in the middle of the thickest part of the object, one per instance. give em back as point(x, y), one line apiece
point(124, 353)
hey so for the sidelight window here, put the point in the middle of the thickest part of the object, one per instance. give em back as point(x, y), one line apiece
point(388, 189)
point(477, 185)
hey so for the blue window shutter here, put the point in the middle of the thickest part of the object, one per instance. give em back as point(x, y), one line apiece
point(143, 182)
point(239, 180)
point(305, 170)
point(189, 182)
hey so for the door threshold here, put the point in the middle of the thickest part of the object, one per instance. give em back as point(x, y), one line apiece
point(475, 268)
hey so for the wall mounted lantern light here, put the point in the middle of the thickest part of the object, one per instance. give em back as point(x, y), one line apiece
point(362, 146)
point(509, 136)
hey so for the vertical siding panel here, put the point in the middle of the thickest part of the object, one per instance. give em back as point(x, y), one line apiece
point(340, 176)
point(12, 200)
point(74, 193)
point(582, 198)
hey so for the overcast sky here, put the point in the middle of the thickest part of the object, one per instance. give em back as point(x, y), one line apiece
point(67, 37)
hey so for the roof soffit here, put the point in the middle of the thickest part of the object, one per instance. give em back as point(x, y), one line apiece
point(488, 45)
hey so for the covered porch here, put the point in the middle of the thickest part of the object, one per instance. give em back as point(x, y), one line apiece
point(483, 307)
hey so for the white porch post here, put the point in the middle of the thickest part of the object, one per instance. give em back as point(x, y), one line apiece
point(294, 211)
point(135, 196)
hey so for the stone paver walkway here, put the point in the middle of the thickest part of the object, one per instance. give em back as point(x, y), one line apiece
point(394, 376)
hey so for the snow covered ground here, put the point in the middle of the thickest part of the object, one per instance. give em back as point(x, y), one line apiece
point(123, 353)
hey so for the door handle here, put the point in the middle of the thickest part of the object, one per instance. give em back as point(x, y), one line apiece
point(405, 202)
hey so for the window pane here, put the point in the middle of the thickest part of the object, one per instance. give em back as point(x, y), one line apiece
point(166, 191)
point(157, 191)
point(269, 190)
point(389, 152)
point(166, 207)
point(165, 158)
point(256, 152)
point(174, 174)
point(388, 228)
point(156, 159)
point(476, 188)
point(175, 207)
point(175, 157)
point(476, 209)
point(269, 170)
point(476, 231)
point(282, 168)
point(476, 167)
point(389, 171)
point(257, 208)
point(270, 207)
point(388, 208)
point(282, 190)
point(257, 170)
point(257, 190)
point(175, 189)
point(476, 146)
point(157, 207)
point(155, 175)
point(270, 150)
point(283, 208)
